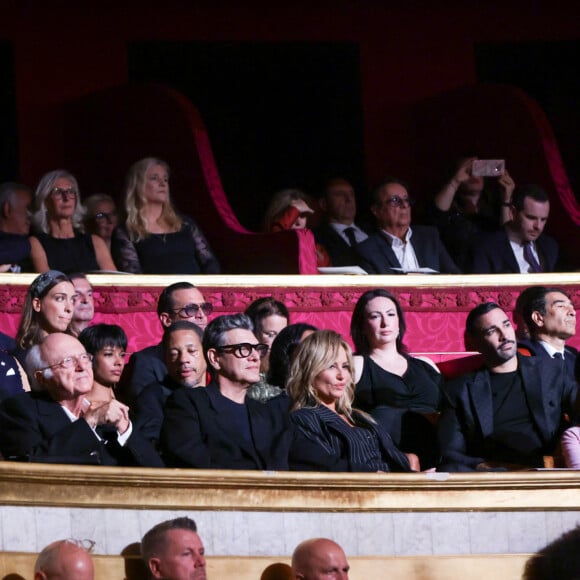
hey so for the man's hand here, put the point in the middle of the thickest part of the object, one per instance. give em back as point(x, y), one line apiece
point(111, 413)
point(507, 186)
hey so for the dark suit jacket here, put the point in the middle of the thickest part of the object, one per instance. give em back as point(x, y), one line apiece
point(322, 442)
point(148, 410)
point(146, 366)
point(465, 426)
point(535, 348)
point(339, 251)
point(198, 432)
point(34, 426)
point(377, 257)
point(493, 254)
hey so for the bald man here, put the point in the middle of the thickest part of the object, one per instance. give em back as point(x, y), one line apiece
point(319, 559)
point(64, 559)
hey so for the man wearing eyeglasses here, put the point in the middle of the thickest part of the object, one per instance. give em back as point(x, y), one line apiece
point(179, 301)
point(396, 247)
point(55, 423)
point(219, 427)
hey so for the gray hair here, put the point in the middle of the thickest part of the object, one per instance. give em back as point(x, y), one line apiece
point(35, 362)
point(44, 189)
point(8, 191)
point(216, 329)
point(153, 542)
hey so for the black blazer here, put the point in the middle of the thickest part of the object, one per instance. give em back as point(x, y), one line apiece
point(464, 427)
point(376, 256)
point(339, 251)
point(145, 366)
point(536, 349)
point(198, 432)
point(35, 427)
point(493, 254)
point(322, 442)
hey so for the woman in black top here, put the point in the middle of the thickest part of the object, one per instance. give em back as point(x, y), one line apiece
point(59, 242)
point(400, 391)
point(329, 434)
point(155, 239)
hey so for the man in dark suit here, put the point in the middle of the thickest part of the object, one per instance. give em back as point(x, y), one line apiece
point(520, 247)
point(15, 202)
point(508, 414)
point(398, 248)
point(56, 423)
point(186, 367)
point(339, 234)
point(550, 318)
point(218, 426)
point(179, 301)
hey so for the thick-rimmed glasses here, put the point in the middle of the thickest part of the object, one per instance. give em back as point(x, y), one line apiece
point(69, 362)
point(63, 193)
point(244, 349)
point(190, 310)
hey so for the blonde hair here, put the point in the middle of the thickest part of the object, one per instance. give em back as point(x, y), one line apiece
point(278, 204)
point(44, 189)
point(135, 202)
point(313, 355)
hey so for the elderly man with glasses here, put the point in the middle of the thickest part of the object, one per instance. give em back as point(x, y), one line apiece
point(218, 426)
point(396, 247)
point(179, 301)
point(55, 423)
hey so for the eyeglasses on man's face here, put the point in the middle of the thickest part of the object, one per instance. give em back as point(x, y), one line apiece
point(244, 349)
point(190, 310)
point(397, 201)
point(71, 361)
point(63, 193)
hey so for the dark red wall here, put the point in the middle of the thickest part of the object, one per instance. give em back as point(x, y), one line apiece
point(409, 50)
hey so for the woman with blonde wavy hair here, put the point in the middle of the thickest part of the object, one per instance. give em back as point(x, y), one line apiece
point(59, 241)
point(155, 239)
point(329, 434)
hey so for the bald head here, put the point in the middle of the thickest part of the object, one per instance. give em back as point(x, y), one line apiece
point(64, 560)
point(319, 559)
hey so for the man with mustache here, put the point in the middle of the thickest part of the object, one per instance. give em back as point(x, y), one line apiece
point(509, 414)
point(186, 367)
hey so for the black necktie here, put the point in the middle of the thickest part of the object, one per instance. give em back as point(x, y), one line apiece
point(349, 233)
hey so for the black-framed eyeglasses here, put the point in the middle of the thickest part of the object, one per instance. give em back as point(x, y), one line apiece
point(63, 193)
point(190, 310)
point(244, 349)
point(106, 216)
point(69, 362)
point(397, 201)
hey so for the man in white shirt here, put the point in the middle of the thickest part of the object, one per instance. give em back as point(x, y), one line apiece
point(521, 247)
point(339, 234)
point(398, 248)
point(550, 318)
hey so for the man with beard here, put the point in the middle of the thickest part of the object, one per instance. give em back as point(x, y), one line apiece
point(509, 414)
point(521, 247)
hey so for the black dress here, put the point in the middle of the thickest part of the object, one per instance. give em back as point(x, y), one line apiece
point(70, 255)
point(184, 252)
point(401, 403)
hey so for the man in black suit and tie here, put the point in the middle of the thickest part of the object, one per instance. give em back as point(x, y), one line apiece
point(218, 427)
point(520, 247)
point(55, 423)
point(398, 248)
point(550, 318)
point(508, 414)
point(339, 234)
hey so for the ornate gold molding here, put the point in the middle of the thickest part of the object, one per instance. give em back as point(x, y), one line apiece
point(126, 488)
